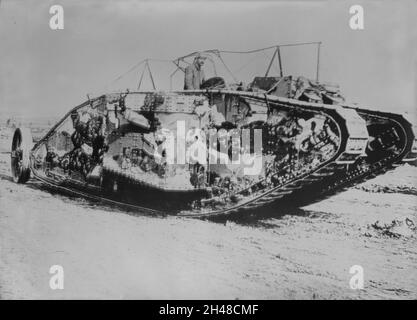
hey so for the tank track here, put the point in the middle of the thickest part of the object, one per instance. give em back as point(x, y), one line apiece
point(349, 164)
point(344, 177)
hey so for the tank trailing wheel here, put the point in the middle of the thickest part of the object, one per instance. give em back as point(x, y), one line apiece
point(21, 148)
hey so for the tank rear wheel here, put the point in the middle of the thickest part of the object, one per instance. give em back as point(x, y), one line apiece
point(21, 148)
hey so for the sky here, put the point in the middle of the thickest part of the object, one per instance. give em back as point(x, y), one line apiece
point(46, 72)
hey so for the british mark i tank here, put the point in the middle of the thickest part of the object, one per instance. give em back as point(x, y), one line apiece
point(218, 149)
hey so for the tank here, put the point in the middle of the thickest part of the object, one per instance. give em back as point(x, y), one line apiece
point(224, 148)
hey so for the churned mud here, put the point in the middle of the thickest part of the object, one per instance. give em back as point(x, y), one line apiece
point(303, 253)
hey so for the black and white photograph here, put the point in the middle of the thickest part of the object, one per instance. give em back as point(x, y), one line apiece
point(208, 150)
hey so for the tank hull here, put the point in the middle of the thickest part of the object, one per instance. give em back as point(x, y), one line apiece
point(105, 149)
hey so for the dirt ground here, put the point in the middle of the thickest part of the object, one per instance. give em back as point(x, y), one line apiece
point(299, 254)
